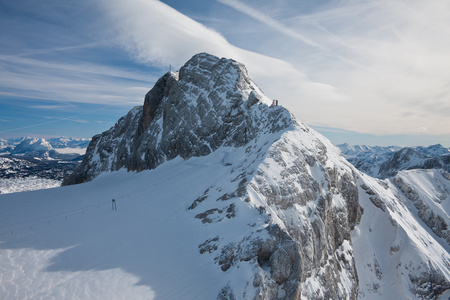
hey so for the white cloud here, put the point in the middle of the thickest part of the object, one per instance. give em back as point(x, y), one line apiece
point(389, 59)
point(23, 77)
point(158, 34)
point(379, 67)
point(252, 12)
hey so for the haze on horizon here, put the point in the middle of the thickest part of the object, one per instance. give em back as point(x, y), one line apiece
point(362, 72)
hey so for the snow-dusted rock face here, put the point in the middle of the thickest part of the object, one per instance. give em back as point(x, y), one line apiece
point(209, 103)
point(429, 192)
point(306, 197)
point(288, 215)
point(310, 192)
point(399, 255)
point(410, 158)
point(367, 158)
point(402, 243)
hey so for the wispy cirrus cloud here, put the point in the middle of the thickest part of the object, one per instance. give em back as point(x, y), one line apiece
point(389, 59)
point(72, 119)
point(157, 34)
point(24, 77)
point(266, 19)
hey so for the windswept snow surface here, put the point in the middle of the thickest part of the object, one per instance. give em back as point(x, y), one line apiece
point(15, 185)
point(69, 243)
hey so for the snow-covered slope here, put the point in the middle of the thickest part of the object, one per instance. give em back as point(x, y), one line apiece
point(183, 231)
point(213, 234)
point(429, 192)
point(397, 255)
point(241, 202)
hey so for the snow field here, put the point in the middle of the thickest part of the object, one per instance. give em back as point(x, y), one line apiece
point(69, 243)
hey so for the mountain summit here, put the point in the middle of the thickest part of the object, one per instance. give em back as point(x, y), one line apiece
point(33, 147)
point(274, 211)
point(304, 194)
point(209, 103)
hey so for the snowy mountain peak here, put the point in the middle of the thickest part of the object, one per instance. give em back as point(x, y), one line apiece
point(204, 85)
point(210, 103)
point(239, 202)
point(33, 147)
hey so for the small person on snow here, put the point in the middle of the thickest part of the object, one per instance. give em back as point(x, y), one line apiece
point(114, 207)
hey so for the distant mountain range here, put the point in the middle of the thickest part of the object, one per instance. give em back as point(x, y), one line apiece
point(54, 158)
point(32, 145)
point(384, 162)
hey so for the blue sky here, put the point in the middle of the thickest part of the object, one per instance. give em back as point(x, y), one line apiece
point(362, 72)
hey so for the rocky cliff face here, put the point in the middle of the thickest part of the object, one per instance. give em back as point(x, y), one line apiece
point(314, 200)
point(296, 200)
point(209, 103)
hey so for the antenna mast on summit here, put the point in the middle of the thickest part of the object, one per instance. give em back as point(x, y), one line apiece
point(170, 68)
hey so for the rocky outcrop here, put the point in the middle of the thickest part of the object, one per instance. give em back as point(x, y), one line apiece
point(209, 103)
point(307, 198)
point(315, 201)
point(309, 207)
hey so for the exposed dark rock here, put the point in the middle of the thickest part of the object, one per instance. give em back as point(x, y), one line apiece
point(226, 294)
point(209, 103)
